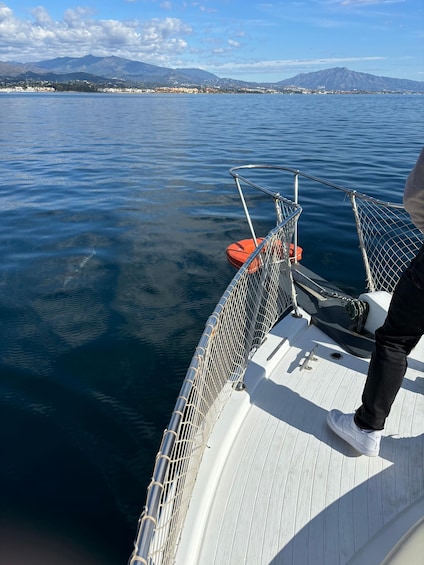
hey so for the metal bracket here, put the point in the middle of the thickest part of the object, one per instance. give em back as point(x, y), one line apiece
point(310, 357)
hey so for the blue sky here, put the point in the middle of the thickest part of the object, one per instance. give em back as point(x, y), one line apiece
point(246, 40)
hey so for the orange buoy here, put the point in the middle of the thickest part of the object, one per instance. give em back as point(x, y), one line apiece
point(239, 252)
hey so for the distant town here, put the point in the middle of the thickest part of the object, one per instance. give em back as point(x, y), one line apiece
point(83, 86)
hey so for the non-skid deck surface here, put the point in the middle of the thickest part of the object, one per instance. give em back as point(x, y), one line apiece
point(289, 491)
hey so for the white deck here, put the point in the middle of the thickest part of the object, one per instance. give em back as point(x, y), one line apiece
point(281, 488)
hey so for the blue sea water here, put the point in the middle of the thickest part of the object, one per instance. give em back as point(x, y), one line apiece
point(115, 214)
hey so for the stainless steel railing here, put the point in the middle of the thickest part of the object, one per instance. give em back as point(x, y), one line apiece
point(388, 239)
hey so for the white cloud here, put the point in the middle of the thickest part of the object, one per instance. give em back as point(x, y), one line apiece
point(280, 66)
point(5, 13)
point(41, 16)
point(156, 40)
point(206, 9)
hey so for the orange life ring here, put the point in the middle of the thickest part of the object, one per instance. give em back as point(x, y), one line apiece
point(239, 252)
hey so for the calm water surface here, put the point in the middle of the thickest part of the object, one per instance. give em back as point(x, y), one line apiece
point(115, 214)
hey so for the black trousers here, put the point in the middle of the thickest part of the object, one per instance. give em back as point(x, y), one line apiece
point(399, 334)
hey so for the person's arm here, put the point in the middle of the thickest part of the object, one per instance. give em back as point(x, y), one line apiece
point(413, 197)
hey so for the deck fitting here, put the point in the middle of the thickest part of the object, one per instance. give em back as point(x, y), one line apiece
point(310, 357)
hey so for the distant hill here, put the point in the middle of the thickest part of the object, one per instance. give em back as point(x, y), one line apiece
point(198, 76)
point(124, 71)
point(341, 78)
point(12, 69)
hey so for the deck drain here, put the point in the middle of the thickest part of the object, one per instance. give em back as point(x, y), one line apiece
point(336, 355)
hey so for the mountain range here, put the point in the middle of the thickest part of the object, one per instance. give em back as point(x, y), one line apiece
point(122, 72)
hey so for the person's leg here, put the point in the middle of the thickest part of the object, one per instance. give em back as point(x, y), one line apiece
point(400, 332)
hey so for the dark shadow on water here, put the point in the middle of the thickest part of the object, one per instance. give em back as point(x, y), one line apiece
point(44, 477)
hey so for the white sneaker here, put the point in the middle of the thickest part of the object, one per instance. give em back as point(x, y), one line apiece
point(366, 442)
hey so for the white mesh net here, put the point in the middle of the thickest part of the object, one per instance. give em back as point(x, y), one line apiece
point(389, 238)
